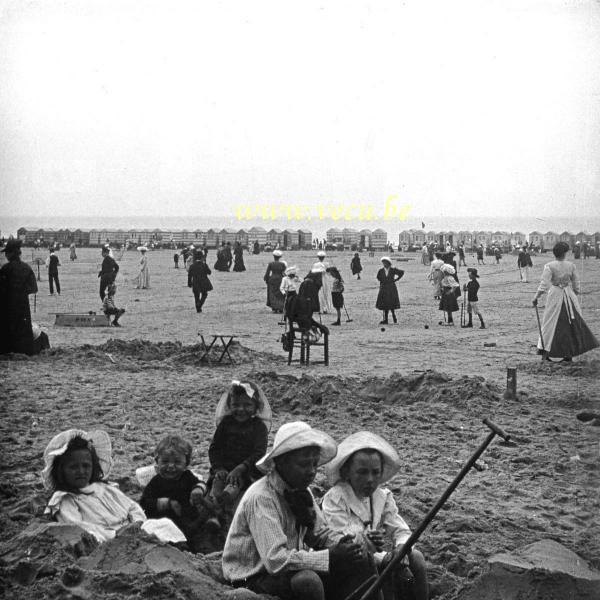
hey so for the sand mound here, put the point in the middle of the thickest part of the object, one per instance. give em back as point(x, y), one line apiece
point(136, 354)
point(65, 562)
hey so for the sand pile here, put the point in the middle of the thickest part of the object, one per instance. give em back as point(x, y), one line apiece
point(62, 561)
point(136, 354)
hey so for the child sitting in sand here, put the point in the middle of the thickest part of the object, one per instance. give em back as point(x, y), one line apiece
point(243, 418)
point(357, 505)
point(175, 492)
point(77, 466)
point(109, 308)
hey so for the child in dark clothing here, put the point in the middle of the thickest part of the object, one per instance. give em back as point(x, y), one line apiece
point(109, 307)
point(355, 265)
point(175, 492)
point(243, 419)
point(472, 300)
point(337, 293)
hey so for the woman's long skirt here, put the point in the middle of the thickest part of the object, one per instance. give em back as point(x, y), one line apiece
point(274, 296)
point(564, 331)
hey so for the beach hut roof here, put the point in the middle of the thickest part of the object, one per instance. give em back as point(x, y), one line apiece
point(258, 229)
point(288, 230)
point(274, 230)
point(365, 231)
point(551, 233)
point(536, 233)
point(304, 231)
point(334, 230)
point(378, 230)
point(228, 230)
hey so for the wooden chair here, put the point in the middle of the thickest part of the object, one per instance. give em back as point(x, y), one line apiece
point(305, 345)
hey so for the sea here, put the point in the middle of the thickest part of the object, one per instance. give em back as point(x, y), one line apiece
point(318, 227)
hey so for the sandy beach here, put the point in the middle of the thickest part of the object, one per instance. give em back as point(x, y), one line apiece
point(424, 387)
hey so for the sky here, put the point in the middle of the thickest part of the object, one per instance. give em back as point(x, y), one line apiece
point(148, 107)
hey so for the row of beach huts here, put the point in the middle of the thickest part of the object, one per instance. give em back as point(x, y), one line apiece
point(376, 239)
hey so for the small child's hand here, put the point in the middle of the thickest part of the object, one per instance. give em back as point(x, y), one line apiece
point(376, 538)
point(196, 497)
point(221, 474)
point(236, 476)
point(175, 507)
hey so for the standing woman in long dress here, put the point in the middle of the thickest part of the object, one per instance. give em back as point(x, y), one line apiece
point(564, 332)
point(321, 266)
point(273, 277)
point(238, 258)
point(142, 281)
point(387, 298)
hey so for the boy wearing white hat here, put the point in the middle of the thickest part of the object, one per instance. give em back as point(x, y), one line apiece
point(278, 543)
point(358, 505)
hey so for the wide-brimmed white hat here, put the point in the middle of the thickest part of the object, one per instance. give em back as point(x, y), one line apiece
point(142, 249)
point(363, 440)
point(296, 435)
point(277, 253)
point(448, 269)
point(318, 268)
point(386, 258)
point(99, 439)
point(321, 253)
point(291, 270)
point(263, 410)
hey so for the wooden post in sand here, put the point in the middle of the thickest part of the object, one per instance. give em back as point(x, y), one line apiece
point(511, 383)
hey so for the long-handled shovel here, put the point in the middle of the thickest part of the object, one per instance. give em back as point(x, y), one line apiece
point(407, 547)
point(462, 311)
point(537, 314)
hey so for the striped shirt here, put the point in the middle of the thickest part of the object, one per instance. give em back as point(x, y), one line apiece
point(263, 536)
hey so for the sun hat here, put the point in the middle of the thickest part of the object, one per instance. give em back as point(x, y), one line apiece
point(12, 245)
point(386, 258)
point(448, 269)
point(142, 248)
point(99, 439)
point(291, 270)
point(473, 270)
point(363, 440)
point(321, 253)
point(264, 408)
point(318, 268)
point(296, 435)
point(277, 253)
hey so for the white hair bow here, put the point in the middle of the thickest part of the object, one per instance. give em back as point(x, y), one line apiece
point(247, 387)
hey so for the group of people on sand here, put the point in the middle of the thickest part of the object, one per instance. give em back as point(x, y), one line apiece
point(276, 538)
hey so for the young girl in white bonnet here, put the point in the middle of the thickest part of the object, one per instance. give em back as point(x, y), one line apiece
point(358, 505)
point(77, 466)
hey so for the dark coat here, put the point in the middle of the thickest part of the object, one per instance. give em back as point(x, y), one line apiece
point(238, 256)
point(387, 298)
point(198, 277)
point(17, 281)
point(355, 265)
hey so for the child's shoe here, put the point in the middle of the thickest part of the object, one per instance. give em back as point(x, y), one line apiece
point(336, 323)
point(116, 324)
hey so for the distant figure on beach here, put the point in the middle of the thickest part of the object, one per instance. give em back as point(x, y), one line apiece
point(256, 247)
point(321, 266)
point(524, 264)
point(273, 277)
point(108, 271)
point(238, 258)
point(337, 293)
point(461, 255)
point(223, 261)
point(564, 333)
point(17, 281)
point(52, 264)
point(109, 307)
point(355, 265)
point(198, 280)
point(472, 289)
point(425, 255)
point(73, 252)
point(577, 250)
point(480, 260)
point(450, 290)
point(176, 259)
point(497, 254)
point(387, 298)
point(436, 276)
point(142, 281)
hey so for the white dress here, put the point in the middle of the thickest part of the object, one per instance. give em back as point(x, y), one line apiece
point(564, 332)
point(325, 292)
point(102, 509)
